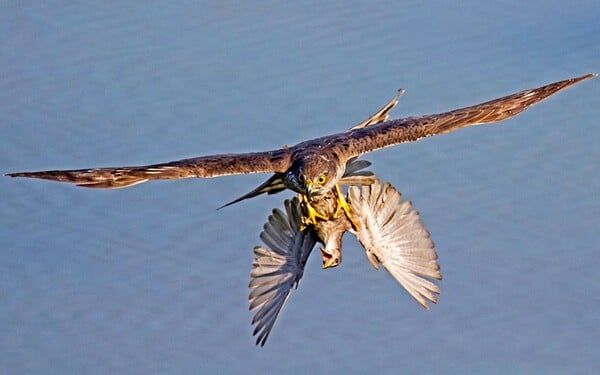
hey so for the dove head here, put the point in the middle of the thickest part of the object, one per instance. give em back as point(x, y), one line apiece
point(331, 233)
point(331, 257)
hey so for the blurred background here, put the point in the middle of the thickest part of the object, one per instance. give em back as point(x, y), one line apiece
point(153, 279)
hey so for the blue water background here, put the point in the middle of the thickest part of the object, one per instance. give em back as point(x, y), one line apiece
point(152, 279)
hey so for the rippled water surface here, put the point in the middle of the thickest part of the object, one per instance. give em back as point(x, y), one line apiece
point(152, 279)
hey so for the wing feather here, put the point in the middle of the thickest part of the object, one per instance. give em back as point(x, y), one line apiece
point(361, 140)
point(382, 114)
point(278, 267)
point(392, 234)
point(204, 167)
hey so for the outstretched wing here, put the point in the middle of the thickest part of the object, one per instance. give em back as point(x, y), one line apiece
point(362, 140)
point(204, 166)
point(392, 234)
point(277, 267)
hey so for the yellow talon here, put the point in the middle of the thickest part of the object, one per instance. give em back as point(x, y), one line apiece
point(343, 205)
point(311, 214)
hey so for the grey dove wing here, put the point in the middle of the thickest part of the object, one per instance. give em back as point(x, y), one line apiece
point(392, 234)
point(278, 266)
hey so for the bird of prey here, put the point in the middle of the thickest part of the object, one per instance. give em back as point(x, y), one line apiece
point(390, 231)
point(276, 184)
point(312, 167)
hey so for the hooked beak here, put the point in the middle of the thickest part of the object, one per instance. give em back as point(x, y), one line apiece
point(309, 188)
point(293, 183)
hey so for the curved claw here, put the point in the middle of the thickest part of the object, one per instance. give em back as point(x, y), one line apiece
point(311, 214)
point(342, 204)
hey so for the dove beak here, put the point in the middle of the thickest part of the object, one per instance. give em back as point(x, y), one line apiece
point(329, 259)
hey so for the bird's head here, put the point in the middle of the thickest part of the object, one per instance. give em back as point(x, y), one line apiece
point(313, 175)
point(330, 233)
point(331, 257)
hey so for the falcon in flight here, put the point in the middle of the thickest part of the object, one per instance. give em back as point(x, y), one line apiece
point(312, 167)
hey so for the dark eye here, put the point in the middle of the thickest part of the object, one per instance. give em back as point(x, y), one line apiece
point(322, 179)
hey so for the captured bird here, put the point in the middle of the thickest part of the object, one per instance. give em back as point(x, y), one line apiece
point(390, 231)
point(312, 167)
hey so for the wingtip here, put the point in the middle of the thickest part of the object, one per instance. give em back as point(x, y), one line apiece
point(18, 174)
point(226, 205)
point(586, 76)
point(576, 80)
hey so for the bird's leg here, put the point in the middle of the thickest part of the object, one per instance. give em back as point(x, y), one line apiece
point(311, 213)
point(343, 205)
